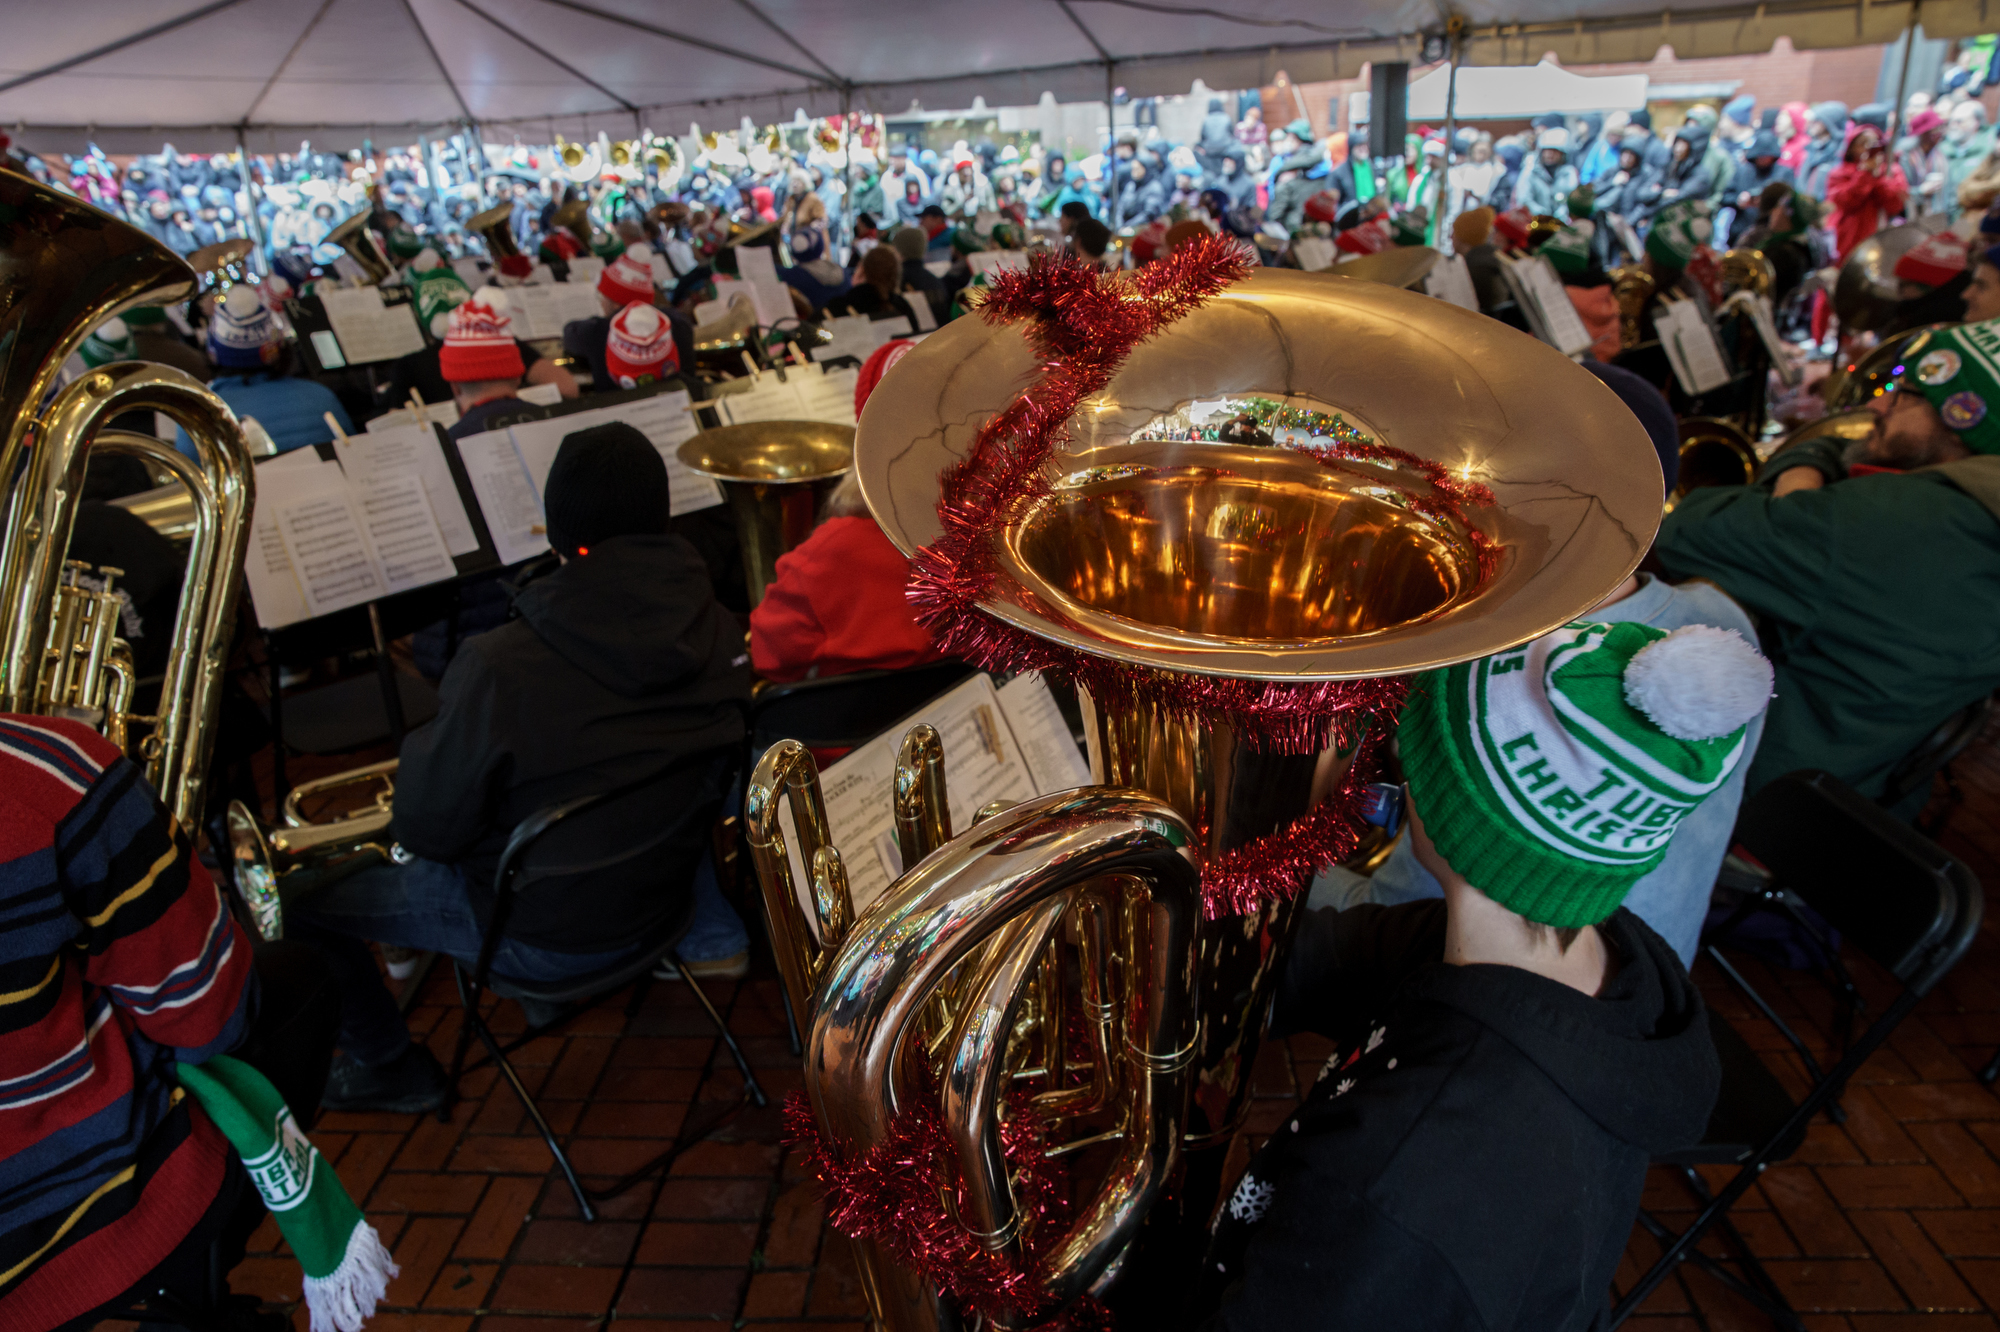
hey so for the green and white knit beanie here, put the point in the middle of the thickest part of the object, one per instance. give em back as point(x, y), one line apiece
point(1407, 228)
point(110, 341)
point(1552, 775)
point(1568, 250)
point(1678, 231)
point(437, 291)
point(404, 244)
point(347, 1271)
point(1958, 369)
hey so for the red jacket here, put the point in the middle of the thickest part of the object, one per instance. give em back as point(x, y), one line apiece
point(1863, 203)
point(837, 606)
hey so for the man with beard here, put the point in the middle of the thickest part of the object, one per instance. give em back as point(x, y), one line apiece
point(1865, 564)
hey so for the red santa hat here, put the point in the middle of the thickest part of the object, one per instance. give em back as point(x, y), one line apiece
point(1368, 238)
point(1513, 226)
point(1934, 262)
point(629, 277)
point(877, 365)
point(640, 346)
point(478, 345)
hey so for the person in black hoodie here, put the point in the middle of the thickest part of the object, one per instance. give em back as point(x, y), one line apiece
point(1508, 1060)
point(617, 663)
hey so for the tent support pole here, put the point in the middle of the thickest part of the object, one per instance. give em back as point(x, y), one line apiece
point(1111, 145)
point(1453, 27)
point(844, 239)
point(251, 221)
point(1903, 74)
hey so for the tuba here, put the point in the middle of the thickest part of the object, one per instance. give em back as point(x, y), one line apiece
point(364, 246)
point(495, 227)
point(1854, 383)
point(1427, 488)
point(1714, 452)
point(276, 864)
point(775, 473)
point(65, 268)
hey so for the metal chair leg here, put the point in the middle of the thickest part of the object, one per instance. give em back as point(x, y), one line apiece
point(499, 1058)
point(468, 1003)
point(728, 1039)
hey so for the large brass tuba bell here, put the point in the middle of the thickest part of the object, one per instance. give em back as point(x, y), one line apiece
point(775, 475)
point(495, 227)
point(364, 246)
point(1714, 452)
point(65, 268)
point(1179, 535)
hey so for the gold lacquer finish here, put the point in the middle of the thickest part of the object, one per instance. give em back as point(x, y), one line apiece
point(222, 265)
point(277, 865)
point(364, 246)
point(1750, 270)
point(775, 474)
point(1632, 287)
point(1398, 266)
point(495, 226)
point(1714, 453)
point(1854, 382)
point(65, 268)
point(1849, 427)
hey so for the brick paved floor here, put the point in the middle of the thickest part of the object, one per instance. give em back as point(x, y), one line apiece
point(1889, 1222)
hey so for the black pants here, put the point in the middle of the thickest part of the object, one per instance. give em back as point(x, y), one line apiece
point(291, 1043)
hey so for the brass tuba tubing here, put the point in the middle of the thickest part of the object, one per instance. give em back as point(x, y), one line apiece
point(1021, 865)
point(787, 772)
point(923, 822)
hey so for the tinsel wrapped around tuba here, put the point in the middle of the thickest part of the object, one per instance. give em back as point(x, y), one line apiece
point(1235, 511)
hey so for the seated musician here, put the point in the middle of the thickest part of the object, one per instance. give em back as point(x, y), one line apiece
point(837, 604)
point(1862, 561)
point(438, 291)
point(626, 279)
point(254, 375)
point(1473, 1153)
point(1673, 896)
point(1930, 285)
point(118, 958)
point(482, 362)
point(1982, 294)
point(616, 662)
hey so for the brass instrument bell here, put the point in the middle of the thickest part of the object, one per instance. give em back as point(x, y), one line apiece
point(496, 227)
point(1750, 270)
point(1867, 375)
point(364, 246)
point(1867, 290)
point(775, 474)
point(1540, 228)
point(220, 266)
point(1714, 452)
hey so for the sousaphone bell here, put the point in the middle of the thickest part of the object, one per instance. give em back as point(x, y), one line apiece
point(775, 475)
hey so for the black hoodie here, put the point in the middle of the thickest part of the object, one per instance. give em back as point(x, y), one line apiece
point(617, 663)
point(1473, 1153)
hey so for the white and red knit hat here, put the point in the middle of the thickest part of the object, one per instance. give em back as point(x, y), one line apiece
point(1934, 262)
point(478, 344)
point(640, 346)
point(629, 277)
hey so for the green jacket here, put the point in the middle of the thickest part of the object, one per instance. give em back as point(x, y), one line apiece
point(1874, 595)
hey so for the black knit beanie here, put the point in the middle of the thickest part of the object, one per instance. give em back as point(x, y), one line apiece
point(607, 481)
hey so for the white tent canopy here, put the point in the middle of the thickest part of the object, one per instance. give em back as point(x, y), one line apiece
point(130, 73)
point(1516, 92)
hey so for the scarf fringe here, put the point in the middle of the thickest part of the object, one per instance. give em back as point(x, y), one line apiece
point(343, 1299)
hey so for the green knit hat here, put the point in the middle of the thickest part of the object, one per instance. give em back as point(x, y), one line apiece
point(145, 316)
point(1407, 228)
point(1678, 231)
point(1958, 369)
point(405, 244)
point(1553, 775)
point(1569, 251)
point(1582, 201)
point(110, 341)
point(437, 291)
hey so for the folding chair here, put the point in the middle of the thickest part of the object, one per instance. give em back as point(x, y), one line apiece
point(658, 826)
point(1899, 899)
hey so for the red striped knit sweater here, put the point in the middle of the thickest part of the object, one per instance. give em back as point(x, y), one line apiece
point(117, 958)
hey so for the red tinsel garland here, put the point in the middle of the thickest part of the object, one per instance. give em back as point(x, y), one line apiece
point(891, 1194)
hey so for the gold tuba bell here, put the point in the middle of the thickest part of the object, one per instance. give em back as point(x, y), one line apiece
point(775, 473)
point(1156, 545)
point(364, 246)
point(65, 268)
point(495, 227)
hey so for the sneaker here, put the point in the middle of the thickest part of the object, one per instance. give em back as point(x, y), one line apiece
point(734, 967)
point(410, 1084)
point(400, 962)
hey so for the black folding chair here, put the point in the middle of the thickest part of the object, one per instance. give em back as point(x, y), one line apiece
point(1899, 899)
point(841, 711)
point(658, 827)
point(1934, 756)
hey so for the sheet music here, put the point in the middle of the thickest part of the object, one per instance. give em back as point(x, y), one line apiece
point(437, 413)
point(663, 419)
point(827, 396)
point(507, 499)
point(586, 270)
point(1691, 347)
point(758, 268)
point(367, 329)
point(541, 311)
point(920, 306)
point(328, 550)
point(274, 588)
point(397, 519)
point(1566, 331)
point(1008, 744)
point(541, 395)
point(1313, 252)
point(1451, 281)
point(853, 335)
point(1767, 332)
point(767, 399)
point(996, 261)
point(382, 454)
